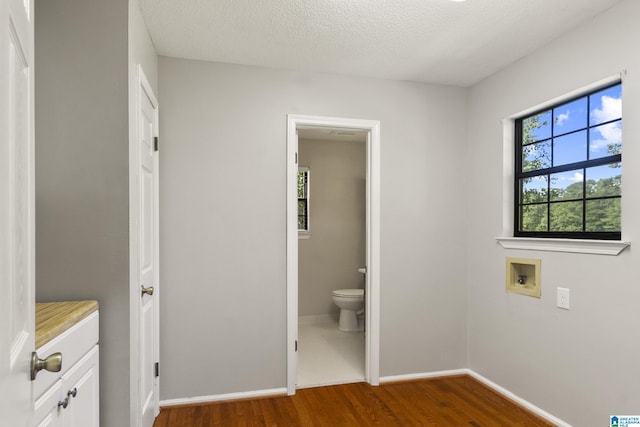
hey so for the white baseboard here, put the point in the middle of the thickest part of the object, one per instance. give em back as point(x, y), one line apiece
point(421, 376)
point(221, 397)
point(520, 401)
point(312, 319)
point(498, 389)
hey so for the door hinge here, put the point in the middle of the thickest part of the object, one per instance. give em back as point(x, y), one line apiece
point(296, 158)
point(156, 369)
point(296, 349)
point(155, 143)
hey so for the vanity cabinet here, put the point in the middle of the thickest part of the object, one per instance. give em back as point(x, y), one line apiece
point(70, 398)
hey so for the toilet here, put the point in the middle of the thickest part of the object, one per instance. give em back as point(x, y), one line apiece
point(350, 302)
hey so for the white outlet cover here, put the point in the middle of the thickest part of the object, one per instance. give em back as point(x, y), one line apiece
point(564, 298)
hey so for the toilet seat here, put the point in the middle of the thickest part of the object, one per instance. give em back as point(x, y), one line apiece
point(349, 293)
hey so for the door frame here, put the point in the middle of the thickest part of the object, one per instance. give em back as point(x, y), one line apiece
point(372, 285)
point(142, 88)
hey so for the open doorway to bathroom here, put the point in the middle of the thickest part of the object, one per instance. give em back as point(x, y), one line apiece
point(332, 251)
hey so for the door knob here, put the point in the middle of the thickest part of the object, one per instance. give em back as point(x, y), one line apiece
point(53, 363)
point(148, 291)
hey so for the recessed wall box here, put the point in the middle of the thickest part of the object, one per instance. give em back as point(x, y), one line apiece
point(523, 276)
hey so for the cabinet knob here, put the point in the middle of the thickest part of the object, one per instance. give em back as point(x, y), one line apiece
point(64, 403)
point(148, 291)
point(53, 363)
point(72, 393)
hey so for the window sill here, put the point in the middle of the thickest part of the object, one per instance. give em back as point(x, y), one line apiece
point(597, 247)
point(303, 235)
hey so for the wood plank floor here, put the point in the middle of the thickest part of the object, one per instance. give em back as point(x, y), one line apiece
point(450, 401)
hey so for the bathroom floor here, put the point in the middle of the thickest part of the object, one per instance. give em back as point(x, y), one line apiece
point(327, 355)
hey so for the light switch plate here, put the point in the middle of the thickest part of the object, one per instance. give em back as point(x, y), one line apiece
point(564, 300)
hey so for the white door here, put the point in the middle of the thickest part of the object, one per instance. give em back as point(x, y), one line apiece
point(148, 252)
point(17, 300)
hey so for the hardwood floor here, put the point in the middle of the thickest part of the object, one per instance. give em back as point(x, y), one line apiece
point(450, 401)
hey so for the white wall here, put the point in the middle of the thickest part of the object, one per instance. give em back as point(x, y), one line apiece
point(581, 365)
point(84, 50)
point(330, 258)
point(223, 202)
point(82, 175)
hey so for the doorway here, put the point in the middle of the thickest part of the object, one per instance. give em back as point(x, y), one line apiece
point(370, 130)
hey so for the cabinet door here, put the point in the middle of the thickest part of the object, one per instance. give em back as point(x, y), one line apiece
point(47, 411)
point(81, 386)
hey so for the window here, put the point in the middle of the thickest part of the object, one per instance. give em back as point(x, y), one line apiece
point(568, 168)
point(303, 199)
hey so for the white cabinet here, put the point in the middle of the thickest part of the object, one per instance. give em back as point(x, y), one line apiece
point(70, 398)
point(46, 407)
point(80, 390)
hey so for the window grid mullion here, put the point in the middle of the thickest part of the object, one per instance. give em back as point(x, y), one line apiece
point(549, 191)
point(601, 161)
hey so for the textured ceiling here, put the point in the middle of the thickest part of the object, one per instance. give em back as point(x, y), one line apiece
point(436, 41)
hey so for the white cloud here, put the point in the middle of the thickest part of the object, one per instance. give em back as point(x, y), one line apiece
point(611, 134)
point(611, 109)
point(577, 177)
point(561, 118)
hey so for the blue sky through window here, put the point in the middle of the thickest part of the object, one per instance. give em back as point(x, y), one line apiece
point(568, 123)
point(570, 117)
point(604, 106)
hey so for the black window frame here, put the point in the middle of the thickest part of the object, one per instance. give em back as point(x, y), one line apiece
point(589, 163)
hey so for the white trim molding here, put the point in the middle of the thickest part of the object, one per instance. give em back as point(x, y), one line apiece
point(423, 376)
point(580, 246)
point(372, 298)
point(274, 392)
point(520, 401)
point(495, 387)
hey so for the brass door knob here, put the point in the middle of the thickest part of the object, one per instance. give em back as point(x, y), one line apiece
point(147, 291)
point(53, 363)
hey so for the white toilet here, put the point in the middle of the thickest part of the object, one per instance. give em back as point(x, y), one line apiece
point(350, 301)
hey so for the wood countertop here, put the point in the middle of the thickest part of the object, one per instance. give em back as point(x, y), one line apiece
point(53, 318)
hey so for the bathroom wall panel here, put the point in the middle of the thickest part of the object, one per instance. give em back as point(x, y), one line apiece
point(330, 258)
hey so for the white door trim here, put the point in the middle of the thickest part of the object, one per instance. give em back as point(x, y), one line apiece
point(142, 88)
point(372, 303)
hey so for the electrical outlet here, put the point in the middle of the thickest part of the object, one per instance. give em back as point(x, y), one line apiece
point(563, 298)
